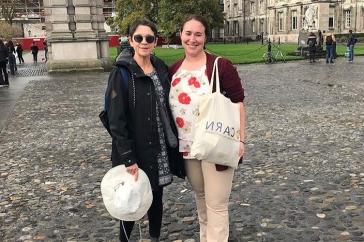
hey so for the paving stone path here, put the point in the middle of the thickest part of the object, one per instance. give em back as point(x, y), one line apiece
point(302, 177)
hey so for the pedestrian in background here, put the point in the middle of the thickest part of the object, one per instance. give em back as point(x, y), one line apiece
point(329, 49)
point(190, 80)
point(320, 38)
point(269, 51)
point(12, 59)
point(34, 48)
point(350, 44)
point(124, 44)
point(311, 42)
point(334, 45)
point(19, 51)
point(4, 55)
point(143, 132)
point(45, 50)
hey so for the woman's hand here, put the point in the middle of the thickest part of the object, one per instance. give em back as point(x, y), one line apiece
point(133, 169)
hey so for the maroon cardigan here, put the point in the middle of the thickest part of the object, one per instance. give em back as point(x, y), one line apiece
point(229, 81)
point(229, 78)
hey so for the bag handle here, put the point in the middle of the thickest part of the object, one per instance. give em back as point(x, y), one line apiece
point(215, 76)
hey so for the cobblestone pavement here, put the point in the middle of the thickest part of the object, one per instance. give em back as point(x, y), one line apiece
point(302, 178)
point(9, 96)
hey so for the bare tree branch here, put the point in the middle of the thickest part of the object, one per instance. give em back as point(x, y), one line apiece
point(9, 9)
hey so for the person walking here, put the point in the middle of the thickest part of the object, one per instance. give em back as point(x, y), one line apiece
point(350, 44)
point(34, 48)
point(12, 59)
point(329, 49)
point(4, 55)
point(334, 45)
point(141, 125)
point(190, 80)
point(269, 52)
point(320, 38)
point(45, 50)
point(19, 51)
point(311, 42)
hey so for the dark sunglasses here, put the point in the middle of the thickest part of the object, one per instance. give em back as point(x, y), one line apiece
point(139, 38)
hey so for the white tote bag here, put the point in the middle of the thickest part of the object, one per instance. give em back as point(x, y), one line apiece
point(217, 130)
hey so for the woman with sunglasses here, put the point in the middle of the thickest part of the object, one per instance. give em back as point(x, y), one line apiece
point(190, 80)
point(143, 132)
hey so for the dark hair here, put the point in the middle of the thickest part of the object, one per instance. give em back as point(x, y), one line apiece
point(144, 22)
point(10, 43)
point(198, 18)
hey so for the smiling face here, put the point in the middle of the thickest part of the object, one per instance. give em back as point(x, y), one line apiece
point(193, 37)
point(143, 41)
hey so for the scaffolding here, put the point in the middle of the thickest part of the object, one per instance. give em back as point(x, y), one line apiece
point(31, 10)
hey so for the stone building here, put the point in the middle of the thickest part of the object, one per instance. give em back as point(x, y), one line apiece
point(30, 16)
point(285, 19)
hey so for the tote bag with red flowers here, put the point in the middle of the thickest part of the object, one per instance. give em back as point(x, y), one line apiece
point(217, 130)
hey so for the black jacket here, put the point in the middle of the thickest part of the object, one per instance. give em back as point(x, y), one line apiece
point(132, 118)
point(313, 40)
point(34, 49)
point(4, 54)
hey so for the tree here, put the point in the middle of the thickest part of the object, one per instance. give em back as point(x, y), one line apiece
point(9, 9)
point(167, 14)
point(172, 12)
point(130, 10)
point(8, 32)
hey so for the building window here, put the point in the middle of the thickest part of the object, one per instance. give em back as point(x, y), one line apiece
point(236, 28)
point(227, 28)
point(347, 18)
point(294, 20)
point(252, 7)
point(280, 21)
point(331, 17)
point(253, 26)
point(261, 25)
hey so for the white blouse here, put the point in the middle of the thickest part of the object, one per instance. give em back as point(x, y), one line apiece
point(186, 88)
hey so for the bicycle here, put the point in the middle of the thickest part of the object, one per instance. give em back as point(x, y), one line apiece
point(270, 56)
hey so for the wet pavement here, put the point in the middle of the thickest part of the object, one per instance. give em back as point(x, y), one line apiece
point(26, 72)
point(302, 178)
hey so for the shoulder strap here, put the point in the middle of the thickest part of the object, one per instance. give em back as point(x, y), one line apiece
point(125, 79)
point(125, 75)
point(125, 84)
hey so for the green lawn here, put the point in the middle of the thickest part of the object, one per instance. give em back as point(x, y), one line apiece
point(240, 53)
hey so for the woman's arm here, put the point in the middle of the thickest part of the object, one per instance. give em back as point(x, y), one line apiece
point(118, 120)
point(231, 85)
point(230, 81)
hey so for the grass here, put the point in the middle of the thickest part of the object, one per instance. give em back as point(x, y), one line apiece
point(240, 53)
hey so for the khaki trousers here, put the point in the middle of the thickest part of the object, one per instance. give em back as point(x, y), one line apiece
point(212, 191)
